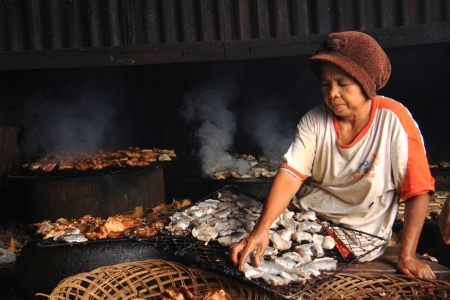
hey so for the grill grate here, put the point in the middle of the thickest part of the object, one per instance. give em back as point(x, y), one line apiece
point(352, 245)
point(27, 173)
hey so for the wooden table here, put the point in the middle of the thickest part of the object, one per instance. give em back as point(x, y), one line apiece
point(386, 264)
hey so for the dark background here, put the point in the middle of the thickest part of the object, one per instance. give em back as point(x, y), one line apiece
point(142, 105)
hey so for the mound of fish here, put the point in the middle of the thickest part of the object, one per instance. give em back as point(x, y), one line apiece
point(297, 240)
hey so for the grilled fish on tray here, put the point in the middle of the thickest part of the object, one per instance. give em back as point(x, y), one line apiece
point(295, 246)
point(88, 228)
point(132, 157)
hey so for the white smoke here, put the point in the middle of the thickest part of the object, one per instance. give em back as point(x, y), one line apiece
point(270, 133)
point(208, 107)
point(64, 125)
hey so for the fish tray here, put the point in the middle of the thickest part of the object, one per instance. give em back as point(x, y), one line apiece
point(26, 173)
point(351, 245)
point(131, 233)
point(200, 177)
point(41, 242)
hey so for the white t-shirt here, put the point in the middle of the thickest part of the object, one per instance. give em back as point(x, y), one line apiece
point(359, 185)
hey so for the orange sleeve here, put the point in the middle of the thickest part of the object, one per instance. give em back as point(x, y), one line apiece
point(418, 179)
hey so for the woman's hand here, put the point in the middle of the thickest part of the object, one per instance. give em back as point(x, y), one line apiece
point(283, 188)
point(415, 211)
point(257, 240)
point(444, 221)
point(411, 266)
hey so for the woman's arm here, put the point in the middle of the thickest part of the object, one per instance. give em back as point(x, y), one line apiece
point(281, 192)
point(415, 212)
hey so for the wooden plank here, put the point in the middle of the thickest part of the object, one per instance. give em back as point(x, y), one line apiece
point(262, 19)
point(367, 14)
point(55, 25)
point(345, 8)
point(243, 20)
point(16, 30)
point(206, 51)
point(151, 22)
point(207, 18)
point(282, 19)
point(224, 20)
point(95, 28)
point(300, 17)
point(34, 25)
point(113, 21)
point(387, 13)
point(275, 47)
point(387, 264)
point(129, 22)
point(9, 151)
point(322, 10)
point(189, 25)
point(169, 24)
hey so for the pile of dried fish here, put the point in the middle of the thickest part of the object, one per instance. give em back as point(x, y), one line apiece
point(88, 228)
point(133, 157)
point(442, 164)
point(260, 167)
point(296, 251)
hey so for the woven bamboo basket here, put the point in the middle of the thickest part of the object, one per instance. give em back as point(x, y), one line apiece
point(378, 286)
point(147, 280)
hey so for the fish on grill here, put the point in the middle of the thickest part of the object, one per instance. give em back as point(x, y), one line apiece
point(88, 228)
point(257, 167)
point(295, 252)
point(132, 157)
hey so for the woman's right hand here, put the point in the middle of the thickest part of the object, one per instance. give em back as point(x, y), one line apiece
point(257, 240)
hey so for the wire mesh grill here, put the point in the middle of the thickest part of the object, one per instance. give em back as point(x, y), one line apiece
point(27, 173)
point(351, 245)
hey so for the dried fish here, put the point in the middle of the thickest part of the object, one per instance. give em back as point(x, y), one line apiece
point(284, 261)
point(270, 251)
point(310, 268)
point(328, 242)
point(289, 224)
point(271, 267)
point(310, 226)
point(293, 277)
point(297, 257)
point(317, 239)
point(325, 263)
point(308, 215)
point(285, 234)
point(75, 238)
point(275, 280)
point(300, 236)
point(231, 239)
point(317, 250)
point(252, 272)
point(204, 232)
point(280, 243)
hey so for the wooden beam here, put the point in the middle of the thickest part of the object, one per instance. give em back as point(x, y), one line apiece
point(209, 50)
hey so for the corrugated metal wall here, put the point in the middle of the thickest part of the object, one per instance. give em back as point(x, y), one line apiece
point(57, 24)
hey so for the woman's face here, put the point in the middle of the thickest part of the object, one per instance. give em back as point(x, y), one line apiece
point(341, 92)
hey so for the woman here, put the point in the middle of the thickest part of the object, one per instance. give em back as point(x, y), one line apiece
point(360, 153)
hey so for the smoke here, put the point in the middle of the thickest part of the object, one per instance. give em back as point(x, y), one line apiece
point(269, 132)
point(208, 108)
point(65, 122)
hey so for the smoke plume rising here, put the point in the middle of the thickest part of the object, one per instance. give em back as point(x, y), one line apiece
point(207, 107)
point(66, 122)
